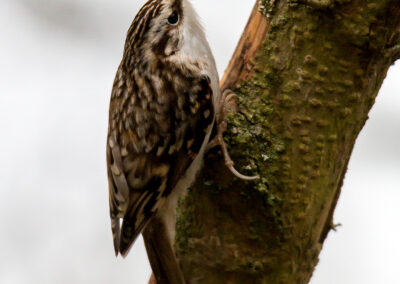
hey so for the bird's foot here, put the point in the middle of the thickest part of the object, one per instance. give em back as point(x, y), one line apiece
point(226, 104)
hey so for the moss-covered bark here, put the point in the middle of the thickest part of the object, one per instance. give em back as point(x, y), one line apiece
point(302, 103)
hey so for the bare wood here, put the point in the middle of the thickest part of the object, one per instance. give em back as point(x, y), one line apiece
point(240, 65)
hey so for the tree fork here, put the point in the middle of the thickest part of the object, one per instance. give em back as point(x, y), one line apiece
point(306, 76)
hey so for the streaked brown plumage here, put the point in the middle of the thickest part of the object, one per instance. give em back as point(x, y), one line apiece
point(161, 115)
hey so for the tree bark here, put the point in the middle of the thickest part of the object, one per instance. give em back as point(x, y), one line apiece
point(306, 74)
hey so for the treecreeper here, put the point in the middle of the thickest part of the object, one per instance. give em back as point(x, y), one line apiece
point(164, 102)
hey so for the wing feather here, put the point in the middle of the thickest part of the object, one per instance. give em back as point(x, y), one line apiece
point(152, 140)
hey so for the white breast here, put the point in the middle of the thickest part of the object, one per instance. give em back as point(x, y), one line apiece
point(195, 46)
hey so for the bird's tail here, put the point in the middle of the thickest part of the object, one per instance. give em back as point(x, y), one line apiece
point(124, 236)
point(128, 235)
point(116, 231)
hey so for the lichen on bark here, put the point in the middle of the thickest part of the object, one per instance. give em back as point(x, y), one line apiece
point(301, 105)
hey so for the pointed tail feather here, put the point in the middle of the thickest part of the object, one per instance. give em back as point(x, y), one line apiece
point(129, 234)
point(115, 227)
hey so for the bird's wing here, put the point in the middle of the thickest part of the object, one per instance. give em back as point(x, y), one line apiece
point(152, 140)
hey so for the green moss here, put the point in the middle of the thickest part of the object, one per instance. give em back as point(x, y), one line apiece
point(184, 223)
point(267, 7)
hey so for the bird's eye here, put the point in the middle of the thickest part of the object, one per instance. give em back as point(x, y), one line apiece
point(173, 18)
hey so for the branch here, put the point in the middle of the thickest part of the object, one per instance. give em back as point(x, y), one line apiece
point(240, 66)
point(305, 84)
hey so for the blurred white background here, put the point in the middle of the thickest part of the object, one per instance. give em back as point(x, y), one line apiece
point(58, 59)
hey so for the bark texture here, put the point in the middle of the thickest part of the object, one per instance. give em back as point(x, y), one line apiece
point(306, 74)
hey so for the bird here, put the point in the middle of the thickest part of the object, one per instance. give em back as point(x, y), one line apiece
point(164, 102)
point(162, 109)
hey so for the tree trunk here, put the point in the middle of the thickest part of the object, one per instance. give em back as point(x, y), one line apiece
point(306, 74)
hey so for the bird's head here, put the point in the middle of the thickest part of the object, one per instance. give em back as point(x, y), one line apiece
point(164, 28)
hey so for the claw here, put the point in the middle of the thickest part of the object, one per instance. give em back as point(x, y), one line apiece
point(227, 95)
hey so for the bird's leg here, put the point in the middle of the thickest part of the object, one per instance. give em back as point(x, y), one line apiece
point(224, 105)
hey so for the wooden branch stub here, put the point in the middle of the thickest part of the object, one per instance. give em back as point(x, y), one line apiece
point(240, 67)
